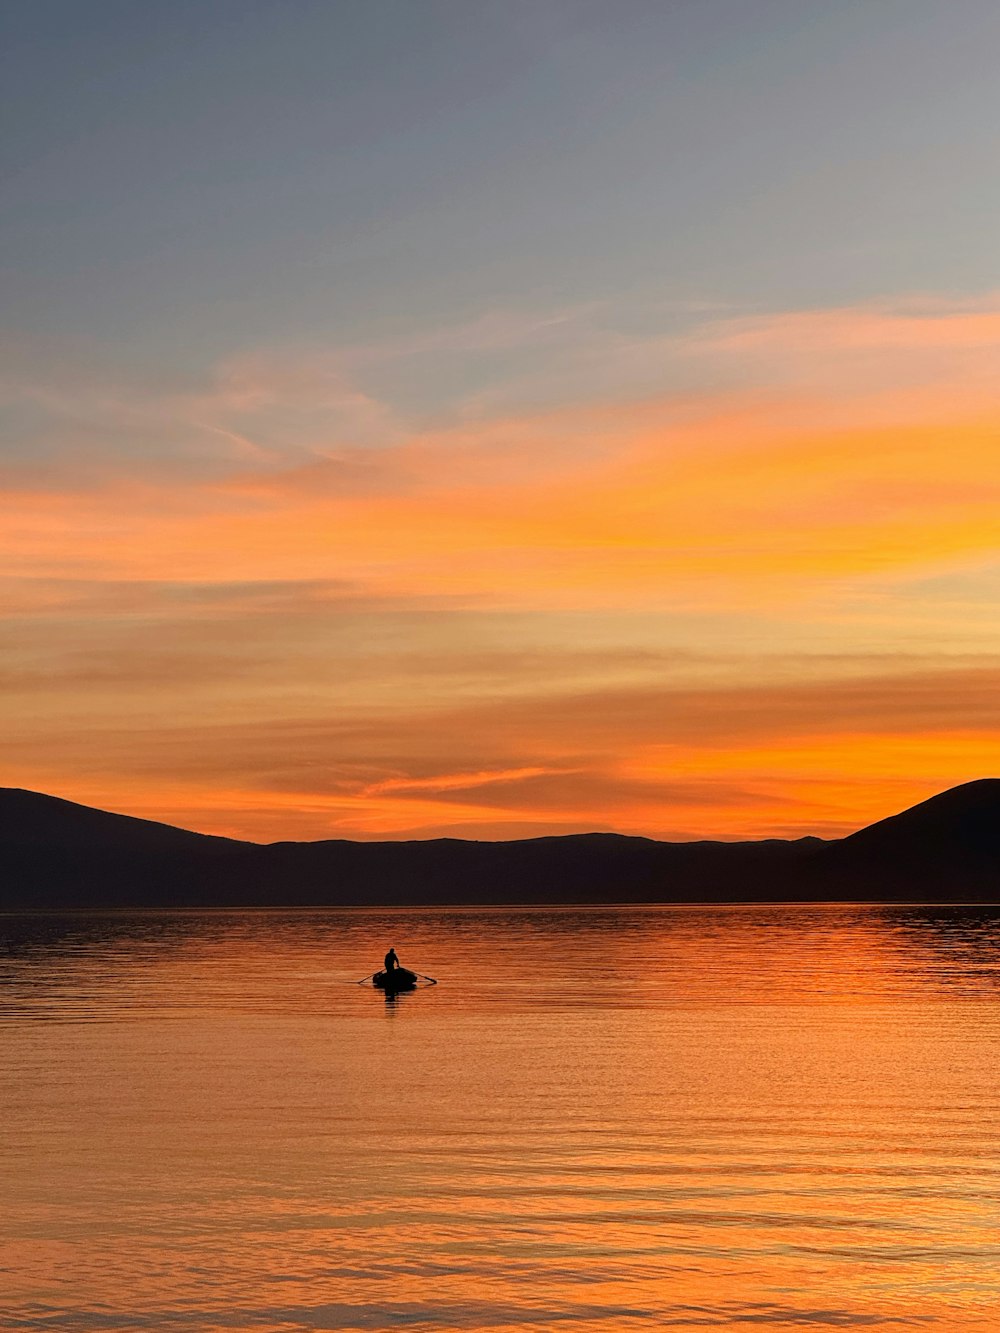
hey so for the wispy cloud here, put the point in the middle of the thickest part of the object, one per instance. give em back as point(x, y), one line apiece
point(805, 753)
point(220, 585)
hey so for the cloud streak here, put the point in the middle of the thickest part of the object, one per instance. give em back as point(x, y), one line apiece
point(294, 598)
point(820, 755)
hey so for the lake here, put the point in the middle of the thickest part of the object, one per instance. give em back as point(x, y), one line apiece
point(683, 1118)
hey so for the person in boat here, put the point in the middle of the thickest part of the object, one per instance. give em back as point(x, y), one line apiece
point(391, 961)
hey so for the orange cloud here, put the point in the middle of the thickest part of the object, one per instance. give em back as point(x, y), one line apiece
point(733, 509)
point(196, 629)
point(825, 755)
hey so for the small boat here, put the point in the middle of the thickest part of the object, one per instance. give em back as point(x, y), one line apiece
point(400, 978)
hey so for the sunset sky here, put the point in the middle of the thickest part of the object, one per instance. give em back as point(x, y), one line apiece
point(440, 417)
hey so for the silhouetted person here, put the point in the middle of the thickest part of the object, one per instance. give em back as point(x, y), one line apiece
point(391, 961)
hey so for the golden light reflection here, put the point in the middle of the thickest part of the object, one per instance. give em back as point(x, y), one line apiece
point(786, 1111)
point(804, 530)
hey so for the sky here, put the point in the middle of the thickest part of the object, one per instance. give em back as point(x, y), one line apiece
point(444, 418)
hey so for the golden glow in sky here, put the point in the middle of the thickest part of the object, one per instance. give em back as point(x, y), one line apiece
point(573, 417)
point(760, 608)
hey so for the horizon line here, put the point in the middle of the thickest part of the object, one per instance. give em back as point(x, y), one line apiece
point(544, 837)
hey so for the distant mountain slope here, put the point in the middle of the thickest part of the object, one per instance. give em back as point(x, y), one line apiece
point(945, 847)
point(581, 868)
point(966, 816)
point(54, 853)
point(32, 818)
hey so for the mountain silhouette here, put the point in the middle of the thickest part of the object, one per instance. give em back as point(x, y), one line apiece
point(969, 814)
point(32, 819)
point(944, 848)
point(57, 854)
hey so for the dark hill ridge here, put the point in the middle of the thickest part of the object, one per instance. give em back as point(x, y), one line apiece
point(34, 819)
point(945, 847)
point(56, 854)
point(970, 813)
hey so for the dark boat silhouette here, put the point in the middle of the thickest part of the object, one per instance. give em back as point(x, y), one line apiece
point(400, 978)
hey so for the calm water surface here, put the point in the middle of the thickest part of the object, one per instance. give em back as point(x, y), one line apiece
point(599, 1119)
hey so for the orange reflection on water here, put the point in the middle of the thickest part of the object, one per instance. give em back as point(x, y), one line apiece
point(650, 1118)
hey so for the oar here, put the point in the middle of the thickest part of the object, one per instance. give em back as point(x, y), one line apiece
point(432, 980)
